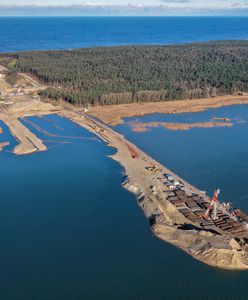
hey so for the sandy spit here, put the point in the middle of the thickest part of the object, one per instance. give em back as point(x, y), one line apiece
point(214, 250)
point(142, 127)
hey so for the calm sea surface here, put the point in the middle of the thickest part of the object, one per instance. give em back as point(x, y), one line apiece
point(67, 228)
point(74, 32)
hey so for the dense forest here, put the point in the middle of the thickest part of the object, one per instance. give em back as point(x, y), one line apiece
point(114, 75)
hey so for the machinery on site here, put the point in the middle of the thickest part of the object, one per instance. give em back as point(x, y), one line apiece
point(213, 206)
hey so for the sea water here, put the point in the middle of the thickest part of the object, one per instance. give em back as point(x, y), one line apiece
point(32, 33)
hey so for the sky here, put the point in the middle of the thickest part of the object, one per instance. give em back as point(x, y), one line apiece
point(193, 3)
point(124, 7)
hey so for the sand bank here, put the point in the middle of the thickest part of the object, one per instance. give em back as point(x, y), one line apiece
point(2, 145)
point(114, 114)
point(27, 141)
point(142, 127)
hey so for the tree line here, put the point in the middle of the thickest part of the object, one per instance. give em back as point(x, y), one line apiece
point(117, 75)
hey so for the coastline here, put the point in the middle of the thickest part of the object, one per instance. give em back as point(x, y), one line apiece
point(114, 114)
point(213, 250)
point(4, 144)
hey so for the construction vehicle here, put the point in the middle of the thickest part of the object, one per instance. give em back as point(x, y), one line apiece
point(153, 169)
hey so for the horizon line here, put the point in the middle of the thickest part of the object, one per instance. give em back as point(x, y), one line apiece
point(123, 16)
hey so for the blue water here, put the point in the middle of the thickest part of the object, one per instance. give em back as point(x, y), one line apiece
point(68, 229)
point(209, 158)
point(27, 33)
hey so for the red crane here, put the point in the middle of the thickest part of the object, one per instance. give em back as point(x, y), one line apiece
point(213, 205)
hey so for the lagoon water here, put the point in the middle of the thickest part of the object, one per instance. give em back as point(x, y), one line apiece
point(209, 158)
point(27, 33)
point(68, 229)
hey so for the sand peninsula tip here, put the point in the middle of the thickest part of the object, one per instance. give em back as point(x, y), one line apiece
point(176, 213)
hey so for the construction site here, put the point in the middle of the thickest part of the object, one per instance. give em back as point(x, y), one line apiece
point(211, 231)
point(194, 205)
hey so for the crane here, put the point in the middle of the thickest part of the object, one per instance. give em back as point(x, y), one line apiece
point(213, 205)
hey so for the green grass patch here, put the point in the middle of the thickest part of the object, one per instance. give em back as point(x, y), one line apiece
point(12, 64)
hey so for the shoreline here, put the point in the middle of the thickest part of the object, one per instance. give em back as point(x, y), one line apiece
point(214, 250)
point(4, 144)
point(114, 114)
point(27, 142)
